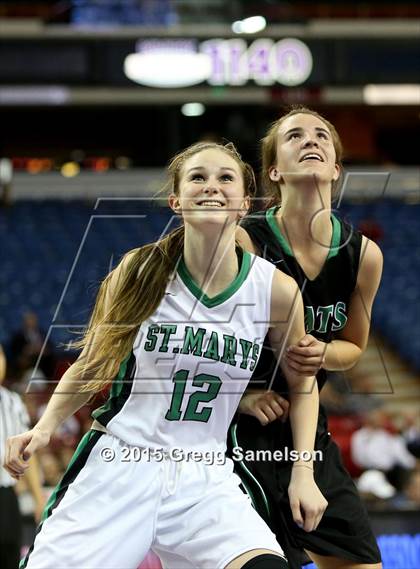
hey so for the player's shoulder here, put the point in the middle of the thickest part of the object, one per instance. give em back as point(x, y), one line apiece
point(371, 258)
point(284, 291)
point(259, 263)
point(371, 250)
point(282, 283)
point(284, 296)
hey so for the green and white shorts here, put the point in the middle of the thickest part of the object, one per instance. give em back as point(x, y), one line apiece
point(107, 514)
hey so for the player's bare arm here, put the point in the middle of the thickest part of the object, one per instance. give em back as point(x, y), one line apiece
point(343, 353)
point(310, 354)
point(288, 328)
point(306, 501)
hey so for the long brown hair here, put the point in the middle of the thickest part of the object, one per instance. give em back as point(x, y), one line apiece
point(143, 275)
point(269, 152)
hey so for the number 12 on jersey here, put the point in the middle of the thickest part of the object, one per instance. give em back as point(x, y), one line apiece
point(174, 412)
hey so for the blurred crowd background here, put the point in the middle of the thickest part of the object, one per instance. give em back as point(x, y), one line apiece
point(88, 120)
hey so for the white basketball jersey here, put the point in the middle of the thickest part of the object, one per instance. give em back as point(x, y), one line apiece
point(191, 362)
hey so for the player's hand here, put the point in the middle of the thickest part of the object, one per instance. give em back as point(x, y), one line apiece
point(266, 406)
point(306, 500)
point(307, 356)
point(20, 448)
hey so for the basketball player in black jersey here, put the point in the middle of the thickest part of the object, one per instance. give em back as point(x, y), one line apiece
point(338, 271)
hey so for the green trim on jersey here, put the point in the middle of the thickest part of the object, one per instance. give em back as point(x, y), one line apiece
point(119, 393)
point(336, 237)
point(270, 216)
point(222, 296)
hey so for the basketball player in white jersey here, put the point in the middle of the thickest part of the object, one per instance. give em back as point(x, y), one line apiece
point(176, 330)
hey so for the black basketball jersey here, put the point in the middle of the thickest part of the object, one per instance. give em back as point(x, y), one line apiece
point(344, 529)
point(326, 298)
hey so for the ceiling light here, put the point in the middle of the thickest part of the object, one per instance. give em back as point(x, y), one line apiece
point(168, 69)
point(193, 109)
point(251, 25)
point(391, 94)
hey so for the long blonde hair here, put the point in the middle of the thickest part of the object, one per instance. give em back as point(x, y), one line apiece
point(137, 292)
point(269, 153)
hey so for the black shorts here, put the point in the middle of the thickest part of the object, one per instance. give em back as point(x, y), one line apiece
point(344, 530)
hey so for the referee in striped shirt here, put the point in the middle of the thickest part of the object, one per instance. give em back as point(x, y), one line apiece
point(14, 419)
